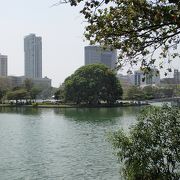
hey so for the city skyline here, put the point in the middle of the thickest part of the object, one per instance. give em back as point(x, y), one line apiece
point(62, 29)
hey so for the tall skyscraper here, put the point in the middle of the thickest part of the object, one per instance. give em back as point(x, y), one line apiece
point(3, 65)
point(96, 54)
point(33, 56)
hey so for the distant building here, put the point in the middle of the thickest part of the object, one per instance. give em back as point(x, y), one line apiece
point(42, 82)
point(176, 76)
point(141, 79)
point(96, 54)
point(3, 65)
point(33, 56)
point(17, 81)
point(167, 81)
point(173, 80)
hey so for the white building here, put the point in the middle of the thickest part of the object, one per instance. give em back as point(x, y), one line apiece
point(33, 56)
point(3, 65)
point(148, 79)
point(96, 54)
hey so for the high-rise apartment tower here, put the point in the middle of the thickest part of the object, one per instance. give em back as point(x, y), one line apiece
point(3, 65)
point(96, 54)
point(33, 56)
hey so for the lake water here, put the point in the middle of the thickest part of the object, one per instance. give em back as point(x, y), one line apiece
point(60, 144)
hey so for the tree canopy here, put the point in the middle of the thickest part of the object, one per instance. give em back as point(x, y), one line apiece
point(91, 84)
point(152, 147)
point(138, 28)
point(150, 92)
point(18, 94)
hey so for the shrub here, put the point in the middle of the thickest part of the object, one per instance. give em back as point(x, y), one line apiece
point(151, 149)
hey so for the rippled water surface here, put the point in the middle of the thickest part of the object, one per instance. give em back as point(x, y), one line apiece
point(65, 144)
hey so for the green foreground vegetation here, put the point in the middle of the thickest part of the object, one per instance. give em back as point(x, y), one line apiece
point(151, 149)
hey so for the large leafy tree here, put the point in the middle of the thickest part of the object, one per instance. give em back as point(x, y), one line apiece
point(18, 94)
point(138, 28)
point(151, 150)
point(59, 94)
point(91, 84)
point(28, 84)
point(33, 90)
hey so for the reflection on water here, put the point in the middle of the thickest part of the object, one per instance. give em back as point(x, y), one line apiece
point(67, 144)
point(20, 110)
point(90, 114)
point(96, 113)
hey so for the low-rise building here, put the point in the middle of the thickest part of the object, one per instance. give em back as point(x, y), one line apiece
point(172, 80)
point(16, 81)
point(42, 82)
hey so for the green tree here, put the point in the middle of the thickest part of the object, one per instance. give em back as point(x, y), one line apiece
point(138, 28)
point(34, 92)
point(177, 90)
point(2, 93)
point(4, 86)
point(150, 92)
point(18, 94)
point(59, 94)
point(167, 92)
point(135, 93)
point(47, 93)
point(151, 150)
point(91, 84)
point(28, 84)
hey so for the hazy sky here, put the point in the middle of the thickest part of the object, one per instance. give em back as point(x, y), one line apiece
point(61, 28)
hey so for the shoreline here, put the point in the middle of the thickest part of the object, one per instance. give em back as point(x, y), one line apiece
point(74, 106)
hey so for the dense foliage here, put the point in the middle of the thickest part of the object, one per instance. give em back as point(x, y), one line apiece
point(18, 94)
point(138, 28)
point(150, 92)
point(151, 150)
point(59, 94)
point(92, 84)
point(27, 91)
point(4, 86)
